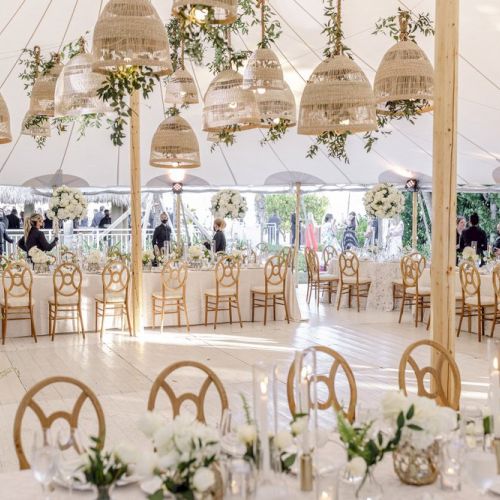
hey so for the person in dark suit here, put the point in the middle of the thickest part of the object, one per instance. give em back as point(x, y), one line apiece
point(474, 234)
point(3, 235)
point(14, 220)
point(162, 232)
point(105, 221)
point(34, 237)
point(219, 237)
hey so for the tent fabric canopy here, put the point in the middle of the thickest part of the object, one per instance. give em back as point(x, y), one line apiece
point(406, 153)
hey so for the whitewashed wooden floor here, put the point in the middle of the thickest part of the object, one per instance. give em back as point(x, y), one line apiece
point(121, 369)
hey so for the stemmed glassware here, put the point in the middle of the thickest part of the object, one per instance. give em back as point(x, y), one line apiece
point(44, 460)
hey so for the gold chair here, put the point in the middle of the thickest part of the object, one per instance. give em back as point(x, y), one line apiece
point(273, 292)
point(338, 365)
point(473, 303)
point(66, 303)
point(317, 281)
point(46, 421)
point(349, 279)
point(445, 364)
point(227, 278)
point(329, 253)
point(412, 268)
point(115, 280)
point(17, 302)
point(198, 400)
point(496, 287)
point(172, 298)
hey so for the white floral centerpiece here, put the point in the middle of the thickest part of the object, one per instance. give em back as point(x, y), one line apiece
point(383, 201)
point(195, 252)
point(147, 258)
point(66, 204)
point(469, 254)
point(229, 204)
point(93, 260)
point(184, 457)
point(41, 260)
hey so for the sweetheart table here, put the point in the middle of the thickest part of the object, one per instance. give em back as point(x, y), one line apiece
point(197, 282)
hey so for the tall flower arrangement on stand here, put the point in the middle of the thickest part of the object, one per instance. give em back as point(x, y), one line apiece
point(66, 204)
point(383, 201)
point(229, 204)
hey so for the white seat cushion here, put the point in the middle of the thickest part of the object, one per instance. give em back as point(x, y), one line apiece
point(17, 301)
point(274, 289)
point(223, 292)
point(168, 295)
point(114, 298)
point(352, 280)
point(65, 301)
point(328, 277)
point(422, 290)
point(486, 300)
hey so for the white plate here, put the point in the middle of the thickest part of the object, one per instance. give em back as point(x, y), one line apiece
point(79, 486)
point(151, 485)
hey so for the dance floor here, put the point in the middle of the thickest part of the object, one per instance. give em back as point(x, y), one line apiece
point(121, 369)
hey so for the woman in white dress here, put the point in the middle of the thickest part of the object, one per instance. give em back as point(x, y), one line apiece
point(395, 237)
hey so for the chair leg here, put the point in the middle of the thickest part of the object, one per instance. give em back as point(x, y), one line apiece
point(186, 314)
point(357, 295)
point(54, 320)
point(4, 324)
point(153, 304)
point(253, 307)
point(103, 317)
point(265, 309)
point(206, 310)
point(340, 291)
point(494, 322)
point(178, 313)
point(479, 323)
point(417, 308)
point(96, 306)
point(274, 307)
point(127, 312)
point(460, 320)
point(285, 304)
point(318, 294)
point(230, 307)
point(349, 295)
point(216, 312)
point(239, 312)
point(32, 321)
point(81, 320)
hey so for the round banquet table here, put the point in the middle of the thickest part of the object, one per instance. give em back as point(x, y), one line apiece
point(198, 281)
point(487, 289)
point(381, 274)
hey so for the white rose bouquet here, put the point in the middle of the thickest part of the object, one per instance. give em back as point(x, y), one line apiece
point(66, 204)
point(94, 257)
point(147, 257)
point(469, 253)
point(229, 204)
point(184, 456)
point(383, 201)
point(195, 252)
point(40, 257)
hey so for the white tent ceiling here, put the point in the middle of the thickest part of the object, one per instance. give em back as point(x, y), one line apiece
point(405, 153)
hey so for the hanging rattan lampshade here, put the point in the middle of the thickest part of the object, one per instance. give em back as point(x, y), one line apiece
point(206, 11)
point(181, 89)
point(337, 98)
point(212, 137)
point(276, 105)
point(42, 95)
point(76, 88)
point(5, 134)
point(130, 33)
point(175, 145)
point(404, 73)
point(263, 72)
point(227, 104)
point(40, 130)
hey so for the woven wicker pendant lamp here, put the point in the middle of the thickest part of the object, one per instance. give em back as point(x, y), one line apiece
point(77, 85)
point(175, 145)
point(263, 71)
point(277, 105)
point(405, 72)
point(338, 97)
point(5, 134)
point(181, 89)
point(40, 130)
point(131, 33)
point(44, 89)
point(206, 11)
point(227, 104)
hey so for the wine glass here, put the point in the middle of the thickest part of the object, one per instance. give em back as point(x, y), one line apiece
point(44, 461)
point(481, 468)
point(68, 465)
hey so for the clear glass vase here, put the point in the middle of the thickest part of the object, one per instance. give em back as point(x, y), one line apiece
point(369, 488)
point(104, 492)
point(351, 487)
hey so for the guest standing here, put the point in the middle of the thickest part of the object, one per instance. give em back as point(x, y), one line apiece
point(105, 221)
point(3, 235)
point(219, 237)
point(350, 239)
point(34, 237)
point(475, 234)
point(275, 221)
point(98, 216)
point(461, 223)
point(162, 232)
point(14, 220)
point(311, 241)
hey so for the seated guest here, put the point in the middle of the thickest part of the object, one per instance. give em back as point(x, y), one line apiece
point(161, 233)
point(219, 237)
point(475, 234)
point(33, 236)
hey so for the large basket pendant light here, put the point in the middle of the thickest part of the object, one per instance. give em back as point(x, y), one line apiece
point(206, 11)
point(43, 93)
point(181, 89)
point(131, 33)
point(175, 145)
point(76, 89)
point(42, 129)
point(228, 105)
point(5, 133)
point(405, 72)
point(275, 106)
point(338, 97)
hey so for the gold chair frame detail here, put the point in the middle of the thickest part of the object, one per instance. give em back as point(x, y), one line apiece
point(349, 280)
point(317, 282)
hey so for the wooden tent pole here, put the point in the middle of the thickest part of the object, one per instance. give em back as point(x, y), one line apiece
point(414, 221)
point(296, 245)
point(178, 217)
point(136, 212)
point(444, 179)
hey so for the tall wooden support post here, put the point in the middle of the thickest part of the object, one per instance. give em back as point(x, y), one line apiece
point(296, 245)
point(444, 179)
point(178, 216)
point(136, 212)
point(414, 220)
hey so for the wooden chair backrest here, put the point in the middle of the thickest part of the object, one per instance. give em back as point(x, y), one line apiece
point(444, 360)
point(329, 253)
point(174, 276)
point(470, 280)
point(115, 277)
point(198, 399)
point(227, 273)
point(46, 421)
point(348, 265)
point(496, 282)
point(275, 272)
point(412, 268)
point(17, 281)
point(67, 280)
point(332, 402)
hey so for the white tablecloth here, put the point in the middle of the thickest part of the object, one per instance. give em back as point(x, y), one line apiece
point(486, 282)
point(198, 281)
point(381, 274)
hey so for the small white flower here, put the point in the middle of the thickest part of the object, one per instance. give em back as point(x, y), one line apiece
point(149, 423)
point(283, 440)
point(247, 433)
point(203, 479)
point(126, 453)
point(356, 467)
point(147, 463)
point(299, 425)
